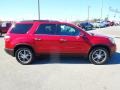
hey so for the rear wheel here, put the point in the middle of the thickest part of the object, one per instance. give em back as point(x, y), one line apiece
point(24, 55)
point(99, 56)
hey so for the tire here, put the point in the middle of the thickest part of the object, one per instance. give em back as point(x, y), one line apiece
point(24, 56)
point(98, 56)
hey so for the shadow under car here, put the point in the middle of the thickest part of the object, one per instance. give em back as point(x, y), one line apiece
point(63, 59)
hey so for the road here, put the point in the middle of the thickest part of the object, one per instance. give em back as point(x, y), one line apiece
point(65, 73)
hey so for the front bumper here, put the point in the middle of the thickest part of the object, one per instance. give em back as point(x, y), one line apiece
point(9, 51)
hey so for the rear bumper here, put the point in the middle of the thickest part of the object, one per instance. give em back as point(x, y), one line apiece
point(9, 51)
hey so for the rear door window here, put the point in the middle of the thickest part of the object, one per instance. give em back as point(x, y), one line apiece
point(21, 28)
point(49, 29)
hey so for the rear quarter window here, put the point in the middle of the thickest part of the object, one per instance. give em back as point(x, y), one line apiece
point(21, 28)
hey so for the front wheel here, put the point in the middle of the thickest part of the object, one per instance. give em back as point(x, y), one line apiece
point(98, 56)
point(24, 56)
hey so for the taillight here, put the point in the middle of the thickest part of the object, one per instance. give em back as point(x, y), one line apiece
point(7, 37)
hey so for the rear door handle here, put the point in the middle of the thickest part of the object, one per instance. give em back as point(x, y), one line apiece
point(38, 39)
point(63, 40)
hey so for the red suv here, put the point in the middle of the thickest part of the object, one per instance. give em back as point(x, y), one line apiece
point(28, 39)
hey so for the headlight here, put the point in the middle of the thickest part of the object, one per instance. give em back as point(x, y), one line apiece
point(112, 40)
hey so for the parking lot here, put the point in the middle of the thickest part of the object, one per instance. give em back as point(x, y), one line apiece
point(61, 73)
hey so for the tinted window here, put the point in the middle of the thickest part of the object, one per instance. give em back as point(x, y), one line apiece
point(46, 29)
point(67, 30)
point(21, 28)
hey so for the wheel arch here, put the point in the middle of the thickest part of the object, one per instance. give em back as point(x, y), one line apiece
point(97, 46)
point(23, 45)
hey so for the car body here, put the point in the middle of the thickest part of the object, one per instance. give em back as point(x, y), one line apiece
point(28, 39)
point(4, 27)
point(107, 23)
point(99, 24)
point(116, 23)
point(86, 25)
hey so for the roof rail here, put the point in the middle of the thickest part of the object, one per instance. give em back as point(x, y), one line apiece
point(39, 21)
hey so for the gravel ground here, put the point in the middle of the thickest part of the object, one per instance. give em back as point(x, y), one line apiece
point(65, 73)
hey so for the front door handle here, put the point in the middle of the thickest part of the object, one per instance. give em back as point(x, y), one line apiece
point(38, 39)
point(63, 40)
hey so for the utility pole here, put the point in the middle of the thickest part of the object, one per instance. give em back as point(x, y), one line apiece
point(102, 10)
point(108, 15)
point(88, 13)
point(38, 9)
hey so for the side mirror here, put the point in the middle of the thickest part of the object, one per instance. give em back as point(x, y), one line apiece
point(83, 36)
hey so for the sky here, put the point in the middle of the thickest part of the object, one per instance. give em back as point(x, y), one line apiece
point(68, 10)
